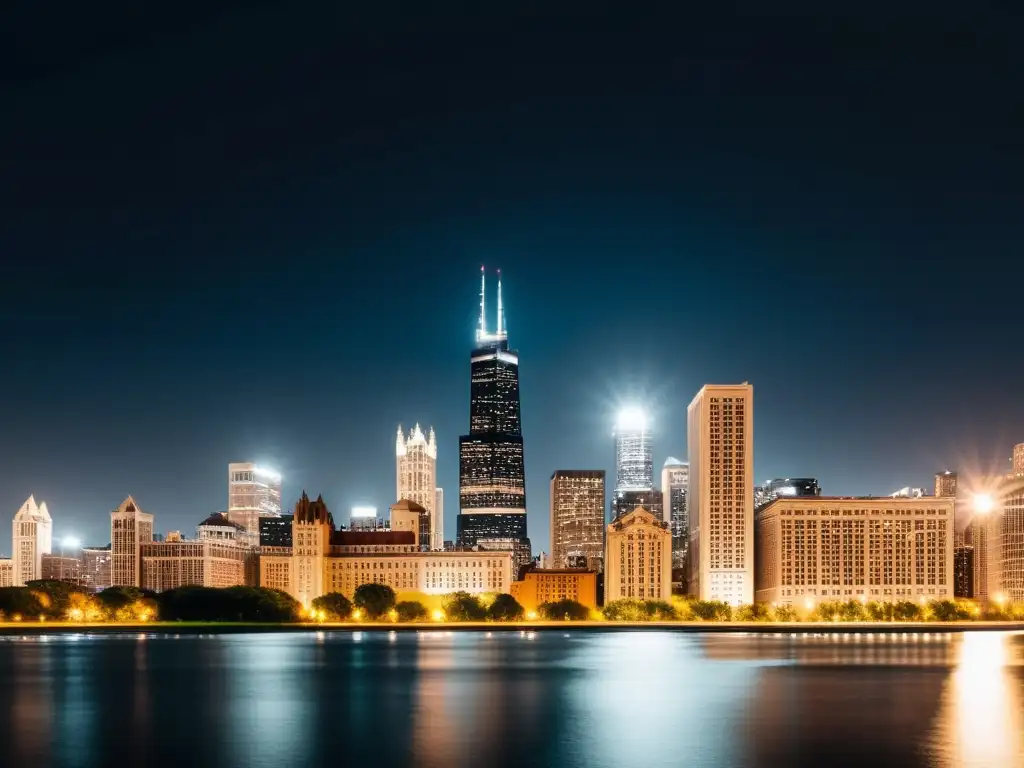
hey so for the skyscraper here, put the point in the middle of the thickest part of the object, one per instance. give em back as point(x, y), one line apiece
point(634, 465)
point(492, 475)
point(130, 528)
point(720, 435)
point(31, 538)
point(416, 481)
point(675, 486)
point(945, 483)
point(253, 492)
point(1017, 461)
point(577, 517)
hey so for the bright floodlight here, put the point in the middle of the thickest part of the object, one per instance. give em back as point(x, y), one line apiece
point(70, 542)
point(364, 511)
point(983, 503)
point(631, 418)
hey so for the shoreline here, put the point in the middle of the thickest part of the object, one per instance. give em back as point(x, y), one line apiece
point(8, 629)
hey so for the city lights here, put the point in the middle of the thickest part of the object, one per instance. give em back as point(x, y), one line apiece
point(631, 417)
point(983, 503)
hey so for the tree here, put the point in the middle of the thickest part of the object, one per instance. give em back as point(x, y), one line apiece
point(880, 611)
point(906, 610)
point(785, 613)
point(336, 606)
point(625, 609)
point(252, 604)
point(659, 610)
point(852, 610)
point(829, 610)
point(374, 600)
point(505, 608)
point(462, 606)
point(753, 612)
point(128, 603)
point(711, 610)
point(411, 610)
point(55, 596)
point(949, 610)
point(20, 602)
point(564, 610)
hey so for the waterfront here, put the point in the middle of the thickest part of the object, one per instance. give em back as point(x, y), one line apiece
point(558, 698)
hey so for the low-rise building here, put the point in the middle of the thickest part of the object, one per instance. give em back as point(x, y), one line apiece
point(822, 548)
point(550, 585)
point(638, 557)
point(6, 572)
point(325, 560)
point(62, 568)
point(96, 568)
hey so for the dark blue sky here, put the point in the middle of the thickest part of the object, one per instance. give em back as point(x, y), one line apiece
point(231, 234)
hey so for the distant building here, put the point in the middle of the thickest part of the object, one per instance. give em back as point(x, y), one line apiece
point(786, 487)
point(276, 531)
point(6, 572)
point(836, 548)
point(209, 563)
point(909, 493)
point(96, 568)
point(407, 515)
point(945, 484)
point(62, 568)
point(720, 435)
point(130, 528)
point(1017, 461)
point(638, 557)
point(539, 586)
point(520, 549)
point(963, 571)
point(650, 499)
point(1003, 534)
point(31, 537)
point(634, 458)
point(364, 519)
point(416, 475)
point(324, 560)
point(254, 492)
point(219, 527)
point(577, 517)
point(675, 488)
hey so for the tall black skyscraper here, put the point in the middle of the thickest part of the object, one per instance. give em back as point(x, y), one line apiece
point(492, 477)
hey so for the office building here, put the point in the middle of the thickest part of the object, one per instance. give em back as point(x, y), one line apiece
point(96, 568)
point(1017, 461)
point(364, 519)
point(407, 515)
point(720, 435)
point(634, 458)
point(963, 571)
point(276, 531)
point(130, 528)
point(551, 585)
point(638, 557)
point(62, 568)
point(492, 474)
point(222, 556)
point(675, 487)
point(945, 484)
point(650, 499)
point(325, 560)
point(254, 492)
point(1003, 531)
point(812, 549)
point(6, 572)
point(31, 536)
point(577, 517)
point(416, 473)
point(519, 548)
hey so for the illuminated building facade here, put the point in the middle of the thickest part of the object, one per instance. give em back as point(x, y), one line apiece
point(492, 474)
point(786, 487)
point(253, 492)
point(1004, 536)
point(720, 435)
point(130, 528)
point(831, 548)
point(96, 567)
point(945, 484)
point(207, 563)
point(364, 519)
point(6, 572)
point(31, 537)
point(634, 458)
point(963, 571)
point(408, 516)
point(638, 557)
point(416, 475)
point(675, 488)
point(577, 517)
point(550, 585)
point(62, 568)
point(324, 560)
point(1017, 461)
point(276, 531)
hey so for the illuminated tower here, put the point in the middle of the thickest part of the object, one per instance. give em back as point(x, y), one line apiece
point(253, 492)
point(416, 480)
point(675, 485)
point(945, 484)
point(30, 539)
point(312, 526)
point(720, 434)
point(130, 528)
point(577, 518)
point(634, 465)
point(492, 475)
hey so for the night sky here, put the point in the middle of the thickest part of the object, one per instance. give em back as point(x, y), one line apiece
point(255, 234)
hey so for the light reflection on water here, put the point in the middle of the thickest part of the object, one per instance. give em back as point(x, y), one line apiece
point(572, 698)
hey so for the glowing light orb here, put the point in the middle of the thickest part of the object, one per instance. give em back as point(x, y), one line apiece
point(983, 503)
point(631, 417)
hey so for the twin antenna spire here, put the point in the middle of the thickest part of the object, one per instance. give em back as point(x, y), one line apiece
point(481, 333)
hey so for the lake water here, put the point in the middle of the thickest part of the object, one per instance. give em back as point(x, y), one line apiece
point(578, 698)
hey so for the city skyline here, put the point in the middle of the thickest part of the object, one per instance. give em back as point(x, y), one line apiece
point(206, 272)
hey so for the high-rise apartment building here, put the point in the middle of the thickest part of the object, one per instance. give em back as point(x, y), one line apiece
point(1003, 534)
point(416, 480)
point(6, 572)
point(577, 517)
point(675, 487)
point(813, 549)
point(253, 492)
point(634, 458)
point(62, 567)
point(945, 484)
point(96, 568)
point(638, 562)
point(31, 538)
point(492, 474)
point(1017, 461)
point(130, 528)
point(720, 436)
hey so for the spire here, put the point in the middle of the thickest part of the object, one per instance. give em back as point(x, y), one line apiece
point(400, 442)
point(482, 330)
point(501, 311)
